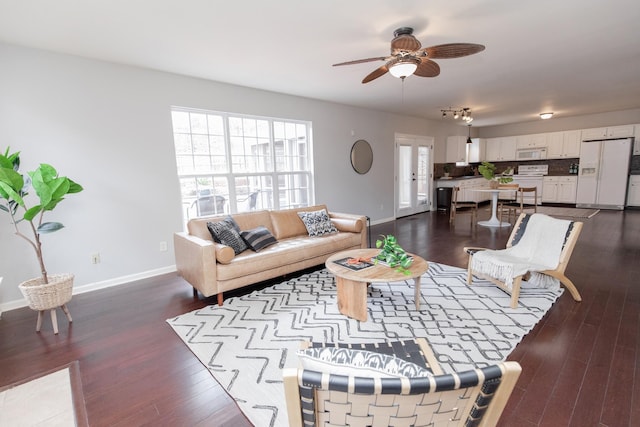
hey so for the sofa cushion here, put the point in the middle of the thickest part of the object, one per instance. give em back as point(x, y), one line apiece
point(227, 232)
point(287, 223)
point(358, 363)
point(317, 223)
point(245, 220)
point(287, 251)
point(258, 238)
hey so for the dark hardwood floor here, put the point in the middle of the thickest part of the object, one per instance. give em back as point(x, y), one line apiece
point(581, 363)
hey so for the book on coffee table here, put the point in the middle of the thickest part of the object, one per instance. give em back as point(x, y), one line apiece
point(353, 263)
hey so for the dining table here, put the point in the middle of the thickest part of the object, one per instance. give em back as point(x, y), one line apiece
point(495, 192)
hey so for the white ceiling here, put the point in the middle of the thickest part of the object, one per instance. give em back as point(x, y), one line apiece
point(572, 57)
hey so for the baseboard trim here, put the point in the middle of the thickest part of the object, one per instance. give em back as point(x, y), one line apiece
point(90, 287)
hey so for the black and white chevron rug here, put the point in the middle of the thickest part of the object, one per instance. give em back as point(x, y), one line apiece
point(246, 342)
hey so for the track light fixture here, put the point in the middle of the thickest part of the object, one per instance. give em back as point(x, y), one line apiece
point(465, 113)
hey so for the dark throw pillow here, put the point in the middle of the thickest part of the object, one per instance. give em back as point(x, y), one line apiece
point(317, 223)
point(258, 238)
point(227, 232)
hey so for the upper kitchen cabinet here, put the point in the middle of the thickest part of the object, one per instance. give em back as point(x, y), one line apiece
point(563, 145)
point(501, 149)
point(477, 149)
point(538, 140)
point(636, 140)
point(607, 133)
point(456, 149)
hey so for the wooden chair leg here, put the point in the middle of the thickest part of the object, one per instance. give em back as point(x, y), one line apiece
point(39, 321)
point(567, 284)
point(220, 298)
point(54, 321)
point(66, 312)
point(515, 291)
point(469, 273)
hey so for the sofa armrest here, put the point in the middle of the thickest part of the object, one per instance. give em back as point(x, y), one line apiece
point(351, 223)
point(196, 262)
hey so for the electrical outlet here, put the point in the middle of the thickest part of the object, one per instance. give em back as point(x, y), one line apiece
point(163, 246)
point(95, 258)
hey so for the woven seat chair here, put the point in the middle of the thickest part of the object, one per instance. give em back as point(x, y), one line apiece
point(471, 398)
point(570, 240)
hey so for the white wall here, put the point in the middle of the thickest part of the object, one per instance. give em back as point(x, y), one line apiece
point(108, 127)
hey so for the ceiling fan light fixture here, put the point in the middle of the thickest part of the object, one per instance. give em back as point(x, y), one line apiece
point(404, 67)
point(545, 116)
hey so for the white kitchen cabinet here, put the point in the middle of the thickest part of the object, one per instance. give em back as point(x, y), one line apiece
point(610, 132)
point(559, 189)
point(476, 151)
point(636, 140)
point(538, 140)
point(456, 149)
point(571, 146)
point(549, 189)
point(501, 149)
point(563, 145)
point(633, 193)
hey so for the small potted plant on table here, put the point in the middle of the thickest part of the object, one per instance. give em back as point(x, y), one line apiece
point(46, 292)
point(392, 254)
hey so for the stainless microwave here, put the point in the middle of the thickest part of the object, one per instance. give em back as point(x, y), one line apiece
point(531, 154)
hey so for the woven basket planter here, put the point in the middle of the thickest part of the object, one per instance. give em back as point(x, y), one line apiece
point(47, 296)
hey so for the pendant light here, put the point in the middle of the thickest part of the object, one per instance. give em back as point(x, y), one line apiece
point(469, 141)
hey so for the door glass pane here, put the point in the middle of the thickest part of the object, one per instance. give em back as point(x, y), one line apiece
point(422, 175)
point(404, 176)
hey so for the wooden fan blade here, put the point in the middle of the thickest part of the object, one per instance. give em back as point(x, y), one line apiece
point(381, 71)
point(427, 68)
point(452, 50)
point(360, 61)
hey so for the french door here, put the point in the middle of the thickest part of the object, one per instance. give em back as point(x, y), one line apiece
point(414, 174)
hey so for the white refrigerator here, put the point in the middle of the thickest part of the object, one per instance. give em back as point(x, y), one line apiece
point(603, 174)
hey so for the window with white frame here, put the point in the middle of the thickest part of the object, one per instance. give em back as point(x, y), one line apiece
point(230, 163)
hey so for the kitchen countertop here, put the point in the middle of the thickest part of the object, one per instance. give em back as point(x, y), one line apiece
point(458, 178)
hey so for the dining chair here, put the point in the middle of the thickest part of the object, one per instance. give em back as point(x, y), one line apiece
point(462, 207)
point(518, 206)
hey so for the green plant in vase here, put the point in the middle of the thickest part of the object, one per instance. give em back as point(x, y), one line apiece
point(488, 171)
point(391, 253)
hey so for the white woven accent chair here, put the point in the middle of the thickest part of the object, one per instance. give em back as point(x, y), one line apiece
point(528, 267)
point(471, 398)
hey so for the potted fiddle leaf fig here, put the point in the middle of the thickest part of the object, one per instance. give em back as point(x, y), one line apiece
point(488, 171)
point(47, 291)
point(392, 254)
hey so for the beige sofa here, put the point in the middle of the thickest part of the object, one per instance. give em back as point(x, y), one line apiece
point(213, 268)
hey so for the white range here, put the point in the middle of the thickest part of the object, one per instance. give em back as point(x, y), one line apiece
point(531, 176)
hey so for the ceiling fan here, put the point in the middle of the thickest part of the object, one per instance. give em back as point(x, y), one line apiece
point(409, 57)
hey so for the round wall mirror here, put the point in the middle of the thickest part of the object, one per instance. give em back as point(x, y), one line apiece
point(361, 156)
